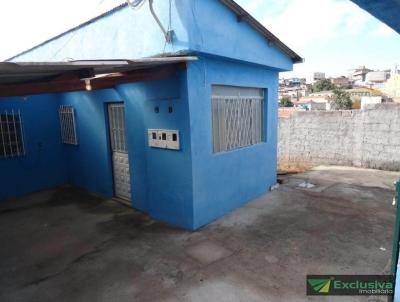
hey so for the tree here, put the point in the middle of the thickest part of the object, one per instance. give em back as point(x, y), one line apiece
point(285, 102)
point(323, 85)
point(341, 100)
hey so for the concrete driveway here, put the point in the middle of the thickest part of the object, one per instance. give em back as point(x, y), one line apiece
point(67, 245)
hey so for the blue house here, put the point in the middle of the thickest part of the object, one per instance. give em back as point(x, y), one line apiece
point(170, 106)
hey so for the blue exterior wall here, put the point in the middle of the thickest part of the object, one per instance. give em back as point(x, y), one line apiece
point(187, 188)
point(122, 37)
point(224, 181)
point(214, 29)
point(190, 187)
point(161, 179)
point(43, 166)
point(192, 21)
point(89, 163)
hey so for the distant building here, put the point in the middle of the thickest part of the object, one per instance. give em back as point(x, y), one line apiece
point(313, 103)
point(341, 81)
point(370, 100)
point(377, 76)
point(327, 93)
point(316, 76)
point(294, 88)
point(363, 91)
point(294, 93)
point(392, 87)
point(359, 74)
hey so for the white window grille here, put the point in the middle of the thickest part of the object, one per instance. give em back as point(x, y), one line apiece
point(238, 117)
point(116, 114)
point(67, 124)
point(11, 134)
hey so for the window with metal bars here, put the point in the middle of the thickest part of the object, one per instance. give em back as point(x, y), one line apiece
point(11, 134)
point(67, 124)
point(237, 117)
point(116, 114)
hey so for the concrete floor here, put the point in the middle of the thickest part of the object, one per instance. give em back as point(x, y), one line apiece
point(67, 245)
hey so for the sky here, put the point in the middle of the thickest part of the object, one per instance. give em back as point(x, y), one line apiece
point(332, 35)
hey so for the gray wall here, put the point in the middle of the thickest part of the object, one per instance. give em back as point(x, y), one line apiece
point(363, 138)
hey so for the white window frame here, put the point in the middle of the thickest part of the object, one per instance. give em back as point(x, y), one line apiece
point(68, 125)
point(11, 134)
point(238, 118)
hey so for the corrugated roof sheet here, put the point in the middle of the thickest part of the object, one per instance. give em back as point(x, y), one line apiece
point(12, 73)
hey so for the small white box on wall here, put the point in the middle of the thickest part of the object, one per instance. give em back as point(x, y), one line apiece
point(164, 139)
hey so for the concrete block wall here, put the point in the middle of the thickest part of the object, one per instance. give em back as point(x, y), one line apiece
point(367, 138)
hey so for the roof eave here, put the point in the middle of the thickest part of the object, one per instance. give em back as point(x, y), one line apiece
point(242, 14)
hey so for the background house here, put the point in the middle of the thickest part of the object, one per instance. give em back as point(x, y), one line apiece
point(185, 136)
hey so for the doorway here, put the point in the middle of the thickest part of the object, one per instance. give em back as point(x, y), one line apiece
point(119, 149)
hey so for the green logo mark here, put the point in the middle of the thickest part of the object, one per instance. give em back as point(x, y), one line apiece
point(320, 285)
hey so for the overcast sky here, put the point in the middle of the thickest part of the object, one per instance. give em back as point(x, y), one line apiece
point(332, 35)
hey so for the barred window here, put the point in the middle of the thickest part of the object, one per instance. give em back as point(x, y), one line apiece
point(237, 117)
point(67, 124)
point(11, 134)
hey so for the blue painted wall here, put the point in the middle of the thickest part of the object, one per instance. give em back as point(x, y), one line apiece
point(43, 166)
point(188, 188)
point(192, 186)
point(192, 21)
point(161, 179)
point(89, 163)
point(214, 29)
point(224, 181)
point(122, 37)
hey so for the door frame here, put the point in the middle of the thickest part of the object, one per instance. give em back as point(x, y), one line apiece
point(110, 152)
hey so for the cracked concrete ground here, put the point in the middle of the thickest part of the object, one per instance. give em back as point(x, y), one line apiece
point(67, 245)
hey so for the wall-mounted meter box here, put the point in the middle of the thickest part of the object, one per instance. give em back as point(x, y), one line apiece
point(164, 139)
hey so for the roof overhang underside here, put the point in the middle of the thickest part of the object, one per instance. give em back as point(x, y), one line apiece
point(28, 78)
point(387, 11)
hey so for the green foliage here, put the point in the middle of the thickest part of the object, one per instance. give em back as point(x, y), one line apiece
point(323, 85)
point(285, 102)
point(347, 86)
point(341, 100)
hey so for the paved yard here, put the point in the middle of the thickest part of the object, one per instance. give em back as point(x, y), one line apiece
point(67, 245)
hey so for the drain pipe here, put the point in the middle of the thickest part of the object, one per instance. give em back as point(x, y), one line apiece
point(167, 34)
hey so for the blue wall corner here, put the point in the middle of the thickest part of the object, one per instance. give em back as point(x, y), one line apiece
point(89, 163)
point(161, 179)
point(224, 181)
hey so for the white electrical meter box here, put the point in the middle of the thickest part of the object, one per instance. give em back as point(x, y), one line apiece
point(164, 139)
